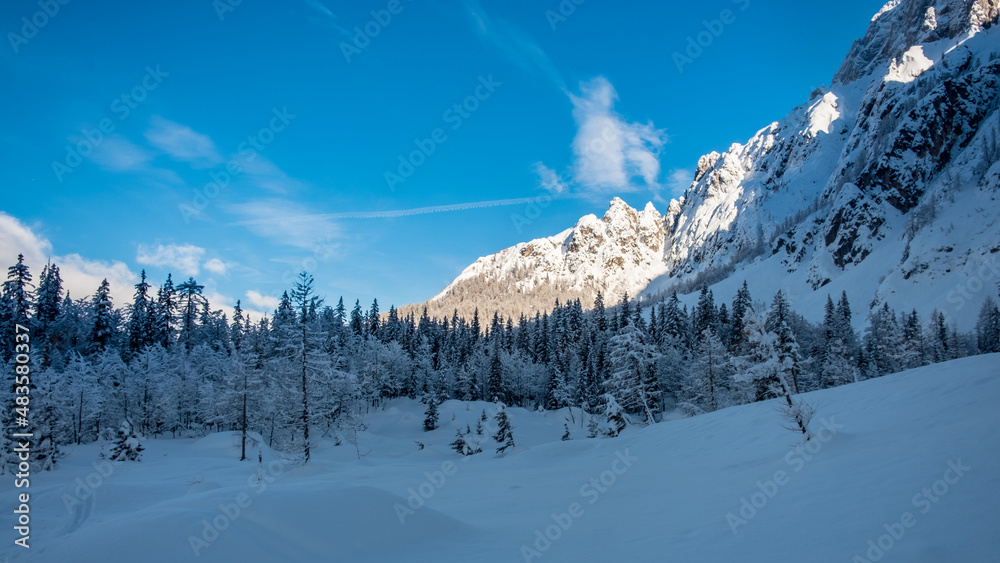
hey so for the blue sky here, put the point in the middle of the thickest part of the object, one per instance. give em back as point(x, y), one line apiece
point(304, 123)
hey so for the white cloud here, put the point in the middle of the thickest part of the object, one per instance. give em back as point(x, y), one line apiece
point(611, 153)
point(183, 143)
point(679, 180)
point(81, 277)
point(289, 224)
point(265, 174)
point(261, 301)
point(549, 179)
point(216, 266)
point(118, 154)
point(182, 258)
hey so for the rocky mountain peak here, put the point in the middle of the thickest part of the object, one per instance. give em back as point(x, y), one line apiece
point(902, 24)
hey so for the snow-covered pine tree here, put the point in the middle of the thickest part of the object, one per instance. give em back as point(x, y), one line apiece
point(600, 316)
point(614, 415)
point(779, 321)
point(674, 320)
point(737, 322)
point(357, 319)
point(566, 436)
point(105, 325)
point(757, 371)
point(140, 321)
point(16, 300)
point(837, 368)
point(49, 429)
point(988, 328)
point(127, 446)
point(883, 342)
point(166, 311)
point(431, 415)
point(706, 388)
point(494, 387)
point(913, 354)
point(630, 383)
point(302, 346)
point(48, 308)
point(705, 314)
point(504, 434)
point(460, 445)
point(191, 301)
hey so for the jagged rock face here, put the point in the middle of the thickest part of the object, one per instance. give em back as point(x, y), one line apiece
point(942, 123)
point(900, 25)
point(903, 140)
point(618, 253)
point(858, 155)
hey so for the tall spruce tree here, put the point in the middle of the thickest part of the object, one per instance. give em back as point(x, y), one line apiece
point(105, 324)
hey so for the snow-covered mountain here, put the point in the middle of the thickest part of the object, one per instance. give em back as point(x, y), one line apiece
point(884, 185)
point(620, 252)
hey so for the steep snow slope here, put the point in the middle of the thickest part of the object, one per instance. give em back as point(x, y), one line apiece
point(898, 200)
point(659, 493)
point(885, 184)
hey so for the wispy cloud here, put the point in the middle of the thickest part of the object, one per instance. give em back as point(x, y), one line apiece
point(327, 17)
point(183, 143)
point(280, 221)
point(549, 180)
point(679, 180)
point(119, 154)
point(184, 258)
point(610, 153)
point(515, 45)
point(265, 174)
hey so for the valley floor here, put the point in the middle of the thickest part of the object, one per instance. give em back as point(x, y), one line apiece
point(903, 468)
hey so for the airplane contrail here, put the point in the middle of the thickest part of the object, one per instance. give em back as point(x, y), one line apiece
point(406, 212)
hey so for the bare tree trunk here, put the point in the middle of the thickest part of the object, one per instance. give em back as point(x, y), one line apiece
point(243, 445)
point(305, 399)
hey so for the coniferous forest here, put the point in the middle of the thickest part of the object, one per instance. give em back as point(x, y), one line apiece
point(167, 365)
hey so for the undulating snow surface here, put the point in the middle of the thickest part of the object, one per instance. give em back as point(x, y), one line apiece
point(910, 462)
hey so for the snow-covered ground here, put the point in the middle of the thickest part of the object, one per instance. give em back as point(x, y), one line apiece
point(909, 462)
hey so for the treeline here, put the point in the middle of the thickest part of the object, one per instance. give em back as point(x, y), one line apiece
point(166, 364)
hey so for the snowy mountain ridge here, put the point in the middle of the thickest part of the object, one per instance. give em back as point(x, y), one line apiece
point(885, 184)
point(617, 253)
